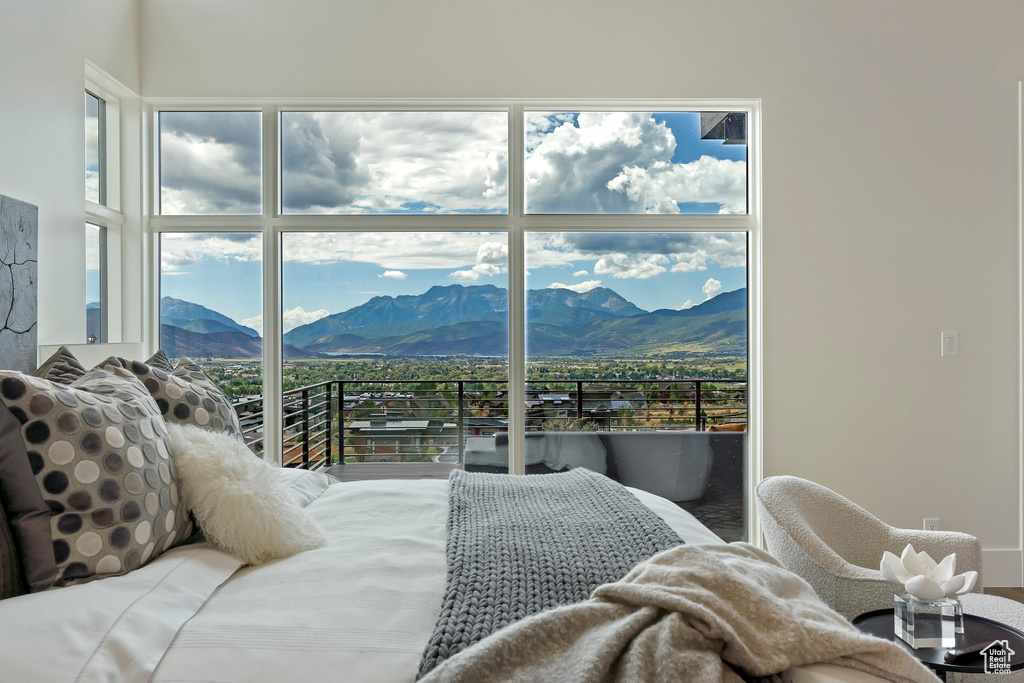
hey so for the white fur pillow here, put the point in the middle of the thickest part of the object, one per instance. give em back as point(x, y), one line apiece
point(237, 499)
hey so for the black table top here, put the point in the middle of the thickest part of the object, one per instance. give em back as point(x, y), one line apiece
point(976, 629)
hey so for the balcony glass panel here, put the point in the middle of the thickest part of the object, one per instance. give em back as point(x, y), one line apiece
point(415, 162)
point(210, 163)
point(211, 310)
point(637, 363)
point(632, 162)
point(396, 351)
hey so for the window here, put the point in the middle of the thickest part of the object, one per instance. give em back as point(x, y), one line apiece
point(410, 162)
point(211, 310)
point(95, 149)
point(446, 285)
point(210, 162)
point(408, 332)
point(628, 162)
point(104, 218)
point(95, 283)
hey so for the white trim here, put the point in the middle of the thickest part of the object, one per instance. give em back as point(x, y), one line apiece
point(1020, 335)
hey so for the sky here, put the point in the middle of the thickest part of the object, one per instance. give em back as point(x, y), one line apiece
point(448, 162)
point(92, 153)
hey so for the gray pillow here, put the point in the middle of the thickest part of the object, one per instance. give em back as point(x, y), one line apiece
point(86, 477)
point(62, 367)
point(160, 360)
point(186, 396)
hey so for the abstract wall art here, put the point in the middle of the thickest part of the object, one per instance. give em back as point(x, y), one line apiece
point(19, 230)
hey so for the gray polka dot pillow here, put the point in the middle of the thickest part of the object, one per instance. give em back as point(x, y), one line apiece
point(185, 396)
point(86, 477)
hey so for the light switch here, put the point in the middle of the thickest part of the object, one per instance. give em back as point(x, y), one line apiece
point(950, 344)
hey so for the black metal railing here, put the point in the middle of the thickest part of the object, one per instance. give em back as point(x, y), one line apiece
point(421, 421)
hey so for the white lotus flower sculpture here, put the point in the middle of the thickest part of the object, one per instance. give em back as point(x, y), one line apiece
point(924, 578)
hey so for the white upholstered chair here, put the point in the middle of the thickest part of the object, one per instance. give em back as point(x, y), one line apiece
point(836, 545)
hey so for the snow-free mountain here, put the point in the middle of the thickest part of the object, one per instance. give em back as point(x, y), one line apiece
point(472, 320)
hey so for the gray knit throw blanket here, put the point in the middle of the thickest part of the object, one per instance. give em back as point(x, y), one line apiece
point(518, 545)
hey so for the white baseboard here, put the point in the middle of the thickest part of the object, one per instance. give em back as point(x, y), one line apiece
point(1003, 568)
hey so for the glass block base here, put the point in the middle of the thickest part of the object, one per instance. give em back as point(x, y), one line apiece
point(934, 623)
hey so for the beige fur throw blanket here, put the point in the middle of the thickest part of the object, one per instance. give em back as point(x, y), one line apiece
point(682, 616)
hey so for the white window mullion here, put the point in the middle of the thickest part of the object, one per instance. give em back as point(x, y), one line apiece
point(273, 354)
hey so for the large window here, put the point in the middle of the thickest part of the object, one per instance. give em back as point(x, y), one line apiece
point(478, 285)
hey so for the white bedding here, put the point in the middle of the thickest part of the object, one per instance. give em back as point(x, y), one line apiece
point(359, 609)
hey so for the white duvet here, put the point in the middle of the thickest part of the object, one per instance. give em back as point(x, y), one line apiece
point(359, 609)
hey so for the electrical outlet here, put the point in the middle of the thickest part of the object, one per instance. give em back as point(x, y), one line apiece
point(931, 523)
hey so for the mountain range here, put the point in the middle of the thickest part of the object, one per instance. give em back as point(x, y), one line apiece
point(472, 320)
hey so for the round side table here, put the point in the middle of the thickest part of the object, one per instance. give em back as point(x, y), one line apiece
point(976, 629)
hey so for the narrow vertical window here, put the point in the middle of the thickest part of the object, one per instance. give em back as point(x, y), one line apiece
point(95, 149)
point(96, 308)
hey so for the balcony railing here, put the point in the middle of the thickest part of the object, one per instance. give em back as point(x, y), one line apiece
point(413, 421)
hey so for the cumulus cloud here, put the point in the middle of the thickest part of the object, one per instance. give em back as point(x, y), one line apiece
point(686, 251)
point(662, 186)
point(579, 288)
point(620, 162)
point(395, 162)
point(394, 250)
point(290, 319)
point(581, 273)
point(493, 252)
point(295, 317)
point(474, 273)
point(255, 322)
point(394, 274)
point(687, 304)
point(210, 163)
point(630, 266)
point(711, 288)
point(182, 249)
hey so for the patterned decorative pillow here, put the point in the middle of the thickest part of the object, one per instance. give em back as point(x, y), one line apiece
point(186, 396)
point(86, 477)
point(160, 360)
point(62, 367)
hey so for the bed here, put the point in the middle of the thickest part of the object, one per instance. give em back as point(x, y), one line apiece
point(364, 606)
point(359, 609)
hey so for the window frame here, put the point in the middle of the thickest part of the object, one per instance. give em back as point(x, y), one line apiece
point(109, 215)
point(272, 224)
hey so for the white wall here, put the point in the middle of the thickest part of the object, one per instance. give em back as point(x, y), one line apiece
point(890, 192)
point(43, 48)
